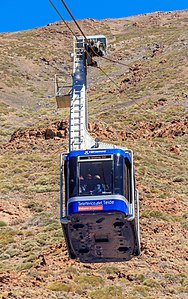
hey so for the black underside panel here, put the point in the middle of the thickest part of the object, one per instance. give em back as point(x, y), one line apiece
point(101, 237)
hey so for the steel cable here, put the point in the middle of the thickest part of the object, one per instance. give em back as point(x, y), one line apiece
point(63, 19)
point(87, 42)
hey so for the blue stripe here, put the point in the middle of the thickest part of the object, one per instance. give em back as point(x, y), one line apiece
point(107, 205)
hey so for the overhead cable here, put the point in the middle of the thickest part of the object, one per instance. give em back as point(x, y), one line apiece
point(108, 76)
point(62, 19)
point(66, 7)
point(86, 41)
point(70, 13)
point(77, 38)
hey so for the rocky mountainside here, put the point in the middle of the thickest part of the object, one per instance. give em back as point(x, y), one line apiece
point(141, 104)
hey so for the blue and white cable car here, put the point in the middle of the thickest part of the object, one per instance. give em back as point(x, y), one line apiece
point(99, 213)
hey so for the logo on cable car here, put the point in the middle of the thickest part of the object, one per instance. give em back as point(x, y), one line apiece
point(94, 152)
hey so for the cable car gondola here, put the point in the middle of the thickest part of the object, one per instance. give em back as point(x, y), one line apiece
point(100, 219)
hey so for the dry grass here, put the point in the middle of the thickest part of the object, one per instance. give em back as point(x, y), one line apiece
point(29, 172)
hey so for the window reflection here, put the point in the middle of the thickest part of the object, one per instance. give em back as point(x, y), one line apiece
point(95, 178)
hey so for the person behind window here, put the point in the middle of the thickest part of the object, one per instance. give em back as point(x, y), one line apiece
point(98, 189)
point(89, 183)
point(82, 188)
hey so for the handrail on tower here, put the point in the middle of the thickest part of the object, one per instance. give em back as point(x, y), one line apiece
point(63, 91)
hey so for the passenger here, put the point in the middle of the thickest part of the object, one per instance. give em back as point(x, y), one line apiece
point(98, 185)
point(89, 176)
point(107, 189)
point(89, 183)
point(83, 185)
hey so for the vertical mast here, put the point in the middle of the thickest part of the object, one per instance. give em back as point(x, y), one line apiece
point(85, 48)
point(79, 138)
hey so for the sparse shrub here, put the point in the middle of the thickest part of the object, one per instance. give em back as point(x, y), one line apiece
point(31, 258)
point(108, 293)
point(181, 289)
point(18, 170)
point(53, 226)
point(24, 266)
point(4, 256)
point(59, 287)
point(156, 214)
point(10, 252)
point(41, 219)
point(89, 280)
point(72, 270)
point(43, 240)
point(29, 233)
point(141, 277)
point(183, 219)
point(152, 283)
point(6, 236)
point(30, 246)
point(43, 188)
point(109, 269)
point(5, 109)
point(35, 207)
point(142, 290)
point(2, 223)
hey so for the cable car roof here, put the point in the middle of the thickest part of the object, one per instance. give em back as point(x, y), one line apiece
point(91, 152)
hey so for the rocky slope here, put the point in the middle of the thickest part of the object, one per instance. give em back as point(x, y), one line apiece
point(146, 110)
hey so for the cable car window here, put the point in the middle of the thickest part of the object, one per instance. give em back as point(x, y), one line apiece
point(95, 177)
point(126, 192)
point(73, 177)
point(129, 183)
point(118, 174)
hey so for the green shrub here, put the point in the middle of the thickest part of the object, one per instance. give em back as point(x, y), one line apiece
point(6, 236)
point(59, 286)
point(89, 280)
point(112, 292)
point(24, 266)
point(2, 223)
point(152, 283)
